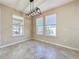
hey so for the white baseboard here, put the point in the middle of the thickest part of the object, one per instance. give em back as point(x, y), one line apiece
point(74, 49)
point(7, 45)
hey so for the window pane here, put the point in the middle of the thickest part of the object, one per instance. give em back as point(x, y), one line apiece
point(51, 19)
point(51, 30)
point(22, 30)
point(39, 26)
point(18, 30)
point(50, 24)
point(39, 21)
point(17, 26)
point(39, 30)
point(17, 21)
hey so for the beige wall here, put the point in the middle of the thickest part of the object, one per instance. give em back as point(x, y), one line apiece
point(6, 25)
point(67, 26)
point(0, 24)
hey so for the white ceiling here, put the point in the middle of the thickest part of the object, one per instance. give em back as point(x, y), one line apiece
point(42, 4)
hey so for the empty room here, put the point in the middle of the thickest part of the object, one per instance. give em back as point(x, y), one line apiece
point(39, 29)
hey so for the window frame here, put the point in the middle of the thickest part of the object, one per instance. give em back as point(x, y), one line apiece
point(50, 24)
point(44, 19)
point(39, 25)
point(21, 26)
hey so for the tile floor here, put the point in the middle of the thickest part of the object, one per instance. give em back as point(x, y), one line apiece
point(37, 50)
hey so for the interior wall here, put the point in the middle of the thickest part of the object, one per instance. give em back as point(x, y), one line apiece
point(67, 26)
point(6, 26)
point(0, 24)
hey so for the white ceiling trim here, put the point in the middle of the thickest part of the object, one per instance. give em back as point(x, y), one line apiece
point(44, 5)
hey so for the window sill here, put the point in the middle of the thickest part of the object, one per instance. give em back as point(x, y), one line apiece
point(18, 35)
point(45, 36)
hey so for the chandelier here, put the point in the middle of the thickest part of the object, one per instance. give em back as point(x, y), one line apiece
point(33, 10)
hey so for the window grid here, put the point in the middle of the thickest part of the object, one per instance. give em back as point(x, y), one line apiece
point(48, 29)
point(17, 27)
point(39, 26)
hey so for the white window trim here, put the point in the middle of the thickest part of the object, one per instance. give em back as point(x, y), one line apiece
point(44, 33)
point(21, 18)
